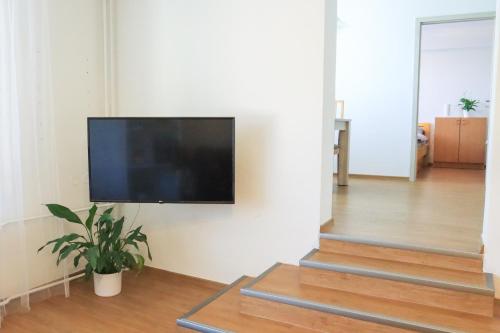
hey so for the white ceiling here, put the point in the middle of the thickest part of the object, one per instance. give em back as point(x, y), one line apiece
point(471, 34)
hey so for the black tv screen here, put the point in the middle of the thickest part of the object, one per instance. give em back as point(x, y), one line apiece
point(161, 160)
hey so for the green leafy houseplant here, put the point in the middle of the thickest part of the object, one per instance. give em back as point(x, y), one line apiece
point(468, 104)
point(104, 245)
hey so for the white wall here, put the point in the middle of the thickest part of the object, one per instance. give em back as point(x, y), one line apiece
point(447, 74)
point(375, 61)
point(456, 61)
point(77, 68)
point(329, 110)
point(262, 62)
point(491, 228)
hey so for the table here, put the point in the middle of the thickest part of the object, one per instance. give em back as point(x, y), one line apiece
point(344, 128)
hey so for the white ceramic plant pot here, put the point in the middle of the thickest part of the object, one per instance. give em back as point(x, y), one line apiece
point(465, 114)
point(107, 285)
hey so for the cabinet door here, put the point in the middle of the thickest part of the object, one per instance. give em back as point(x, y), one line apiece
point(446, 139)
point(472, 140)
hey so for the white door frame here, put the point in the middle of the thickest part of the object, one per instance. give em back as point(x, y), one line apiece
point(416, 80)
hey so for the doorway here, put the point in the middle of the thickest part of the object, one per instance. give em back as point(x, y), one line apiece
point(453, 66)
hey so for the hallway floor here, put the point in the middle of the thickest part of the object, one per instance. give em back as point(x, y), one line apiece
point(443, 209)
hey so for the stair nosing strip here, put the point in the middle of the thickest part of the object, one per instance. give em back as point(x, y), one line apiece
point(489, 281)
point(193, 325)
point(212, 298)
point(345, 312)
point(381, 243)
point(396, 277)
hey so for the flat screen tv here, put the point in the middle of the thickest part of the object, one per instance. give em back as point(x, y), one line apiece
point(161, 160)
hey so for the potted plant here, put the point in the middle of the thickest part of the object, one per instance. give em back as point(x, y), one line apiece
point(468, 105)
point(104, 246)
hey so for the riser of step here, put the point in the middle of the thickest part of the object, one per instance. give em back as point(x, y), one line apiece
point(462, 301)
point(312, 319)
point(434, 258)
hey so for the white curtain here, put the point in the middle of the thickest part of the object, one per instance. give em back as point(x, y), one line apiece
point(28, 163)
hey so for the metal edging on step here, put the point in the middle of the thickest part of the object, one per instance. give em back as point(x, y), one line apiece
point(261, 276)
point(489, 282)
point(185, 322)
point(446, 252)
point(397, 277)
point(344, 312)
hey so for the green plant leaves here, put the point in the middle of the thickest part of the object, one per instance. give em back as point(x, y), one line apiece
point(135, 236)
point(140, 261)
point(105, 217)
point(90, 218)
point(147, 247)
point(65, 251)
point(132, 234)
point(92, 255)
point(65, 239)
point(88, 270)
point(64, 213)
point(76, 260)
point(129, 259)
point(48, 243)
point(58, 244)
point(468, 104)
point(108, 252)
point(60, 241)
point(117, 230)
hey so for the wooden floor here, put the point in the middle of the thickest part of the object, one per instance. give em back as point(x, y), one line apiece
point(150, 302)
point(443, 209)
point(371, 287)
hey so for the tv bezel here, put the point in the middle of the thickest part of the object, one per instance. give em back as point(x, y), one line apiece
point(161, 201)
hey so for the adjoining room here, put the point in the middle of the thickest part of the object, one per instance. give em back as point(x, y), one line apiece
point(456, 62)
point(427, 67)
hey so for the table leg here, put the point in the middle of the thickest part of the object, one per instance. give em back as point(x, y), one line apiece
point(343, 158)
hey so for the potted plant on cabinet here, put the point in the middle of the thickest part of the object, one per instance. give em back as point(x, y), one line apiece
point(103, 245)
point(468, 105)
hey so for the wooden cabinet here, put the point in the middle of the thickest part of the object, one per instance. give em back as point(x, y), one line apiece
point(446, 139)
point(472, 140)
point(460, 142)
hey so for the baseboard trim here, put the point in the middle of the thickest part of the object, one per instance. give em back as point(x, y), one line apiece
point(473, 166)
point(160, 270)
point(364, 176)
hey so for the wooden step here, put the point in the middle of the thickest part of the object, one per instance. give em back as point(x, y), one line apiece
point(278, 295)
point(443, 288)
point(341, 244)
point(220, 313)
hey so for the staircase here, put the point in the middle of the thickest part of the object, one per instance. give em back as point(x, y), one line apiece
point(356, 285)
